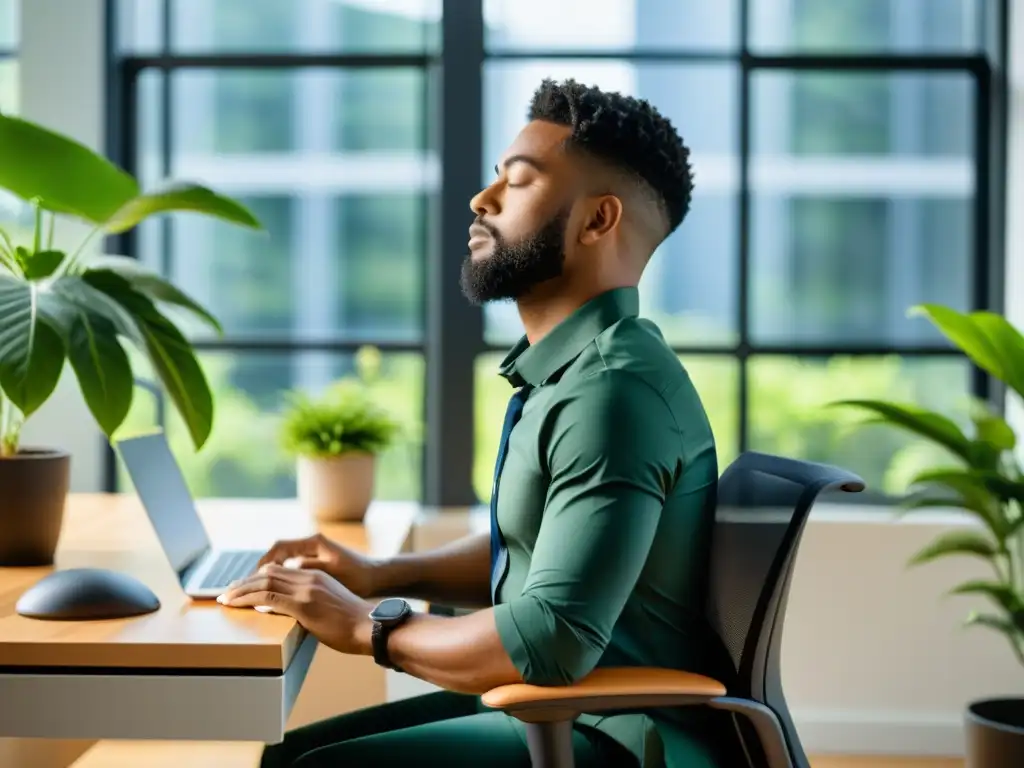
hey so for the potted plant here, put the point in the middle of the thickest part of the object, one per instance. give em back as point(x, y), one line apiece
point(60, 307)
point(984, 478)
point(336, 439)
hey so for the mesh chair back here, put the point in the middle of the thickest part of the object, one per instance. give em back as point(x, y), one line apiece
point(763, 505)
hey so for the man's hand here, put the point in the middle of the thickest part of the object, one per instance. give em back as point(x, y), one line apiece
point(324, 608)
point(320, 553)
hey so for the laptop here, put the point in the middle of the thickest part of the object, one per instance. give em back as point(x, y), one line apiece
point(204, 572)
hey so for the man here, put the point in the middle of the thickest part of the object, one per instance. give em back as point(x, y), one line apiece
point(604, 489)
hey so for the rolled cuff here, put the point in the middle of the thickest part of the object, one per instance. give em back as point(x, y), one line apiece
point(528, 634)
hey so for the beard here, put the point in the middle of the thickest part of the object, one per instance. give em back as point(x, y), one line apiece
point(511, 270)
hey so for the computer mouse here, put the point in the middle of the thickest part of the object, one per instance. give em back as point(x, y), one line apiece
point(83, 594)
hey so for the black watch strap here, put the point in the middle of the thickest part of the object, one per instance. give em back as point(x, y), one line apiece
point(379, 641)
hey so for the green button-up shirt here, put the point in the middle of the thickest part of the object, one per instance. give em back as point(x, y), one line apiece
point(606, 505)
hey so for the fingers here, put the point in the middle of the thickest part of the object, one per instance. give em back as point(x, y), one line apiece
point(308, 563)
point(289, 548)
point(275, 601)
point(270, 578)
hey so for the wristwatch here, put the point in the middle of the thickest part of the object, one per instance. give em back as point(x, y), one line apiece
point(386, 616)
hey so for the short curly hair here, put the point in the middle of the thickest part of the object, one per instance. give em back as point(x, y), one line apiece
point(625, 132)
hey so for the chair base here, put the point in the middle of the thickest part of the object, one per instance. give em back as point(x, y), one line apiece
point(550, 744)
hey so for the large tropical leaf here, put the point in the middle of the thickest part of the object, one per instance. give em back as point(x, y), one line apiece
point(154, 286)
point(920, 421)
point(31, 349)
point(180, 196)
point(103, 369)
point(65, 175)
point(957, 543)
point(987, 338)
point(170, 353)
point(72, 293)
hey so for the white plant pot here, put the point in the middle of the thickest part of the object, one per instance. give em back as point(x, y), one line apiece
point(337, 489)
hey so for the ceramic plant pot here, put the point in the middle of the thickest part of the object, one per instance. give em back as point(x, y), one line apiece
point(995, 733)
point(337, 489)
point(33, 490)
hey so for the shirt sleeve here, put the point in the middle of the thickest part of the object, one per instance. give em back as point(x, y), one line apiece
point(613, 454)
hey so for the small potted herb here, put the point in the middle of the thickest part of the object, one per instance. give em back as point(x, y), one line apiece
point(336, 439)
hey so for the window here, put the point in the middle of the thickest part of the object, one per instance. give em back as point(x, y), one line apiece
point(830, 197)
point(841, 178)
point(332, 156)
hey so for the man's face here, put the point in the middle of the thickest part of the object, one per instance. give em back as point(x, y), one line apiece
point(518, 240)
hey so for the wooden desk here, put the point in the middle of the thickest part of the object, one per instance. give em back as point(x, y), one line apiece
point(191, 670)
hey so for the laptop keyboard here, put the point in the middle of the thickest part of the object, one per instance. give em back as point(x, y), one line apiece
point(230, 566)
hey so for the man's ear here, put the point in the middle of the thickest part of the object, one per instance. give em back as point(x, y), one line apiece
point(603, 216)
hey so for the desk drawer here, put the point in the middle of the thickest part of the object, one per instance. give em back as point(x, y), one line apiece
point(194, 707)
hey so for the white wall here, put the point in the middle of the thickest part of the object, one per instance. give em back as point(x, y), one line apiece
point(874, 660)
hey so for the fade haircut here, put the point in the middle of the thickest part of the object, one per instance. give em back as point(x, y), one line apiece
point(626, 133)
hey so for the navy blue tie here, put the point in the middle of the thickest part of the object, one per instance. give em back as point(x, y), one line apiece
point(499, 553)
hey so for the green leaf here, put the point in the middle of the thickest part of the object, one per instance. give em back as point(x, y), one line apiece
point(974, 495)
point(42, 264)
point(21, 256)
point(920, 421)
point(103, 370)
point(998, 623)
point(1001, 594)
point(180, 197)
point(76, 294)
point(1002, 487)
point(170, 353)
point(155, 287)
point(31, 350)
point(940, 502)
point(956, 543)
point(987, 338)
point(64, 175)
point(994, 430)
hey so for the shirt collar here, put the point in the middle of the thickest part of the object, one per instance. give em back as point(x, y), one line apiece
point(534, 364)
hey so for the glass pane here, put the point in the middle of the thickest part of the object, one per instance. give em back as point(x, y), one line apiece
point(10, 25)
point(9, 86)
point(918, 26)
point(789, 417)
point(716, 379)
point(303, 26)
point(862, 192)
point(140, 26)
point(689, 285)
point(312, 111)
point(332, 163)
point(616, 25)
point(243, 458)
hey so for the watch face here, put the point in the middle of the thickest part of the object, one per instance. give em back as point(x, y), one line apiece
point(390, 609)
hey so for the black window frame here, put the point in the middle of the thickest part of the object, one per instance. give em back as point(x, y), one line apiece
point(454, 330)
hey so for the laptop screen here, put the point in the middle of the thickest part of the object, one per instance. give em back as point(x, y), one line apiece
point(166, 498)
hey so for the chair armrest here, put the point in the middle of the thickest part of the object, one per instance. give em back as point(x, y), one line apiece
point(612, 688)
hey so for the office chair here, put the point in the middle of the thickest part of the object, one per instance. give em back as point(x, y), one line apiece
point(763, 505)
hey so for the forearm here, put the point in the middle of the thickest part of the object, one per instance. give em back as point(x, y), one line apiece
point(463, 654)
point(457, 575)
